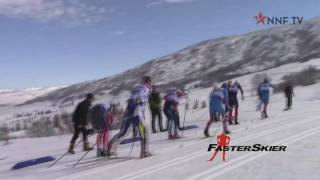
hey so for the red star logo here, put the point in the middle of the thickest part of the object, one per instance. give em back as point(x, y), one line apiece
point(260, 18)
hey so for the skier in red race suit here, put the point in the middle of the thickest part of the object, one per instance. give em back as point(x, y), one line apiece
point(223, 141)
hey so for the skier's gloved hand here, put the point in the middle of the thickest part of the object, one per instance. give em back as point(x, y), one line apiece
point(242, 97)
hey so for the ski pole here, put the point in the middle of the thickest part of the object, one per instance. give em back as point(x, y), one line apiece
point(64, 155)
point(185, 114)
point(197, 110)
point(131, 148)
point(184, 118)
point(85, 154)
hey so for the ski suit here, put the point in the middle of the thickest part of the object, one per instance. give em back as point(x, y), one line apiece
point(217, 101)
point(101, 118)
point(135, 115)
point(80, 121)
point(288, 90)
point(155, 102)
point(233, 100)
point(264, 92)
point(171, 112)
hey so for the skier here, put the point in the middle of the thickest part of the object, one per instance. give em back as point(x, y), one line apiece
point(155, 102)
point(217, 101)
point(101, 118)
point(233, 101)
point(80, 123)
point(264, 93)
point(171, 111)
point(135, 115)
point(259, 103)
point(225, 89)
point(288, 91)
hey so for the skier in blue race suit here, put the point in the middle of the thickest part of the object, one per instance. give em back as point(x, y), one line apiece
point(264, 94)
point(217, 104)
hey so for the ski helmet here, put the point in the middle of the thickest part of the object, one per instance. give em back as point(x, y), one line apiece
point(90, 96)
point(179, 93)
point(146, 79)
point(224, 85)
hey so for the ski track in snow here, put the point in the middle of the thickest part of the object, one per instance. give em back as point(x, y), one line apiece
point(223, 168)
point(188, 157)
point(185, 158)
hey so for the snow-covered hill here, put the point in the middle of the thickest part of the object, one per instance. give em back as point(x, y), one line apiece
point(212, 60)
point(14, 97)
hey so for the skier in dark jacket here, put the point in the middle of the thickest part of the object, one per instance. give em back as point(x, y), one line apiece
point(155, 102)
point(80, 123)
point(233, 101)
point(288, 91)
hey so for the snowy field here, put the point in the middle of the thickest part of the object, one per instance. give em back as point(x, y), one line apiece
point(187, 158)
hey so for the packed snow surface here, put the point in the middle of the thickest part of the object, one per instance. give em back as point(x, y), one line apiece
point(187, 158)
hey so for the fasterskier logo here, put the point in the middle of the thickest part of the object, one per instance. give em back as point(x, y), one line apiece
point(223, 142)
point(223, 145)
point(277, 20)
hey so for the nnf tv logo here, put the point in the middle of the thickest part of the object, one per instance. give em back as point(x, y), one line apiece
point(277, 20)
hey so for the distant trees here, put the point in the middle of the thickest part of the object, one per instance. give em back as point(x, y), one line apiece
point(308, 76)
point(256, 80)
point(41, 128)
point(4, 134)
point(52, 122)
point(204, 104)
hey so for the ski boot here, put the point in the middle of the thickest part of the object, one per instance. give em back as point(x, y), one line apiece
point(101, 152)
point(163, 130)
point(236, 122)
point(264, 115)
point(176, 136)
point(171, 137)
point(206, 133)
point(71, 149)
point(145, 154)
point(108, 153)
point(226, 131)
point(104, 153)
point(86, 147)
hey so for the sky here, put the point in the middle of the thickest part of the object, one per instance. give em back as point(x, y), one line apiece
point(60, 42)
